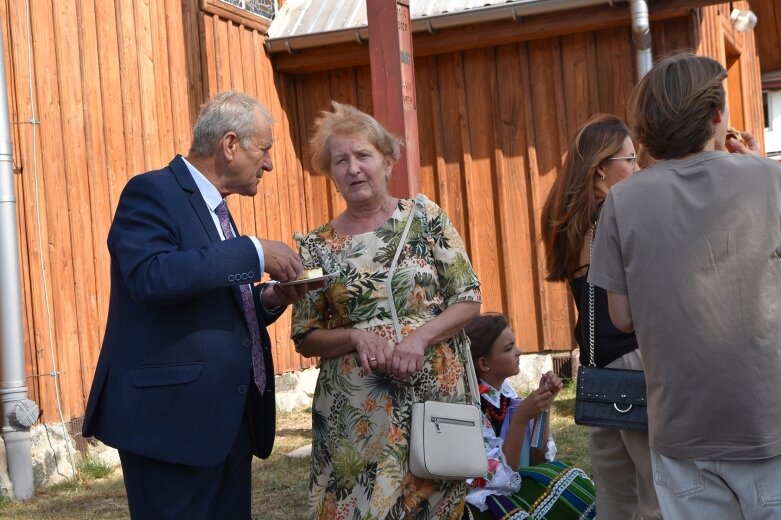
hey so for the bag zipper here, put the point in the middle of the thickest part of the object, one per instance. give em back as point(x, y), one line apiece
point(446, 420)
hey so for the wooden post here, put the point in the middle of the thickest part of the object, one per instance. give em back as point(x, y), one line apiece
point(393, 86)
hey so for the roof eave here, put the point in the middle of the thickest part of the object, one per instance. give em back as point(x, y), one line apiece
point(432, 24)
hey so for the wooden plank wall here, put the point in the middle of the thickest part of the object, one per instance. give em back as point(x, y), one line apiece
point(234, 58)
point(716, 35)
point(495, 124)
point(768, 33)
point(116, 86)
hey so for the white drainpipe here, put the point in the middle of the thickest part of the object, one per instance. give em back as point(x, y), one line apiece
point(641, 36)
point(19, 413)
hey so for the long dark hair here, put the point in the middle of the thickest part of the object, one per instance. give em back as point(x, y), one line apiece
point(483, 331)
point(572, 204)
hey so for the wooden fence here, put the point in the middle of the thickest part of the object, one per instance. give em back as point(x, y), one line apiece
point(100, 91)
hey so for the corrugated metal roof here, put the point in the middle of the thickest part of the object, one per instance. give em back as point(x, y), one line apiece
point(300, 17)
point(771, 80)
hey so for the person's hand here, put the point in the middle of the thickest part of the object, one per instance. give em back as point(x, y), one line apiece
point(751, 145)
point(551, 382)
point(276, 294)
point(374, 353)
point(534, 404)
point(282, 263)
point(408, 356)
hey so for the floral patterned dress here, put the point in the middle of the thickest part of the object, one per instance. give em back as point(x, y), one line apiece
point(360, 421)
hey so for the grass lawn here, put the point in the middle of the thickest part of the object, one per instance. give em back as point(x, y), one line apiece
point(279, 483)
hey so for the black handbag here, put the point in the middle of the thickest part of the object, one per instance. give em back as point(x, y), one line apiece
point(609, 397)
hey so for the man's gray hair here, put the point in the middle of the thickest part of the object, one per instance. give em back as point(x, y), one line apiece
point(229, 111)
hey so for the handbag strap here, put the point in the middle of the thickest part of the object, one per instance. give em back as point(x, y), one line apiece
point(471, 376)
point(392, 271)
point(591, 361)
point(469, 366)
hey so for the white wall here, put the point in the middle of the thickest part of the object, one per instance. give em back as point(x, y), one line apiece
point(773, 134)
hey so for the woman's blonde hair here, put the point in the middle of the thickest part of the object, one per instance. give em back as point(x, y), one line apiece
point(346, 120)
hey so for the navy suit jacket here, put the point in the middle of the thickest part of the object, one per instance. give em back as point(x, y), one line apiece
point(174, 376)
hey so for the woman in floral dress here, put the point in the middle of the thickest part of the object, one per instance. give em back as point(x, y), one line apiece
point(372, 370)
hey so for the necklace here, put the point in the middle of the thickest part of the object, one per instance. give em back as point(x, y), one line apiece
point(387, 211)
point(496, 416)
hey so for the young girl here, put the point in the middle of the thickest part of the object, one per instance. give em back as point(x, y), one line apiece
point(523, 480)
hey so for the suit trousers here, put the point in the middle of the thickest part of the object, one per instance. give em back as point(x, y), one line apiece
point(158, 490)
point(719, 489)
point(621, 461)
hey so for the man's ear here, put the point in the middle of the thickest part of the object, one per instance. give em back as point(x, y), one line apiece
point(717, 116)
point(230, 144)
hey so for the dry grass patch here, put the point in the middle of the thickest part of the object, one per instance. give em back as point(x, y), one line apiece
point(279, 484)
point(571, 439)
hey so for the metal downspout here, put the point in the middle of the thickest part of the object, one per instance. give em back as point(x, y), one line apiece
point(641, 36)
point(18, 411)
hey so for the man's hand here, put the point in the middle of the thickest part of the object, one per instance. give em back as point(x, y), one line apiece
point(282, 263)
point(277, 294)
point(751, 147)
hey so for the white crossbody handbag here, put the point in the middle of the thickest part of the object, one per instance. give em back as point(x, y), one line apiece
point(446, 439)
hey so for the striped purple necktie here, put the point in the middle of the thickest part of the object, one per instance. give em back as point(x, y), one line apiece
point(248, 305)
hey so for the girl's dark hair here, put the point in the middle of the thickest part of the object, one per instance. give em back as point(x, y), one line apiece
point(483, 331)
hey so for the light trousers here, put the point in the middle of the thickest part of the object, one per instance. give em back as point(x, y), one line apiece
point(621, 461)
point(718, 489)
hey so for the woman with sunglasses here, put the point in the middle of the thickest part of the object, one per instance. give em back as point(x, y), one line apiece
point(601, 155)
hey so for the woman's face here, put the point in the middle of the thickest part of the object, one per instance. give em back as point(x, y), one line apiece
point(502, 362)
point(620, 165)
point(359, 170)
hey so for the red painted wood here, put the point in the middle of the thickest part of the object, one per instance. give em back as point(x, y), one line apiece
point(393, 86)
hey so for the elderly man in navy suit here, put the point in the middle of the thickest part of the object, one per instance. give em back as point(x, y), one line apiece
point(184, 386)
